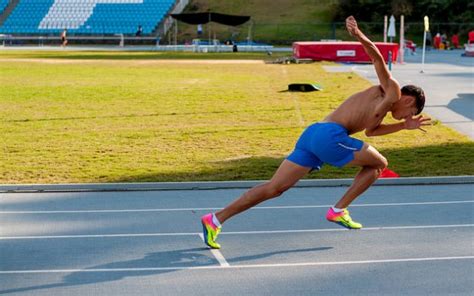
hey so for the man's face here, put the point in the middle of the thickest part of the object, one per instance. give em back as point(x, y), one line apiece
point(404, 108)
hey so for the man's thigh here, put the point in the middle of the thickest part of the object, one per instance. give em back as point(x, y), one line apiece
point(368, 156)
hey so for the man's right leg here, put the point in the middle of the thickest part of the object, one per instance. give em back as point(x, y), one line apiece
point(284, 178)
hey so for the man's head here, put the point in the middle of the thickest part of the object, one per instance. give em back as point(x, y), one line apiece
point(411, 102)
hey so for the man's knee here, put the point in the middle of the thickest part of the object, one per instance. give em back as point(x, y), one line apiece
point(378, 164)
point(382, 163)
point(275, 189)
point(378, 160)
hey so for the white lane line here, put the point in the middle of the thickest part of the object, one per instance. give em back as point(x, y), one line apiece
point(255, 208)
point(217, 254)
point(97, 235)
point(301, 264)
point(231, 232)
point(343, 229)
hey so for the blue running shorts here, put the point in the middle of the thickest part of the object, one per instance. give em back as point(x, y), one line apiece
point(325, 142)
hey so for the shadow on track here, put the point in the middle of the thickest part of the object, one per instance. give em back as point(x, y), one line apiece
point(169, 259)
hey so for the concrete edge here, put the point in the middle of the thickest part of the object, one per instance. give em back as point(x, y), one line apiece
point(213, 185)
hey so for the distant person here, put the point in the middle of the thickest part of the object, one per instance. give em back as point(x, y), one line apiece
point(437, 41)
point(471, 37)
point(455, 41)
point(139, 31)
point(444, 41)
point(329, 141)
point(199, 30)
point(429, 40)
point(64, 38)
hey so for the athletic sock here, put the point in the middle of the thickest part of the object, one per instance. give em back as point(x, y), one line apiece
point(337, 210)
point(215, 220)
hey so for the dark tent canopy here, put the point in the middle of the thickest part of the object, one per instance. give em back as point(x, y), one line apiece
point(205, 17)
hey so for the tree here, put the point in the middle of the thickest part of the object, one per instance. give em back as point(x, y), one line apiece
point(447, 11)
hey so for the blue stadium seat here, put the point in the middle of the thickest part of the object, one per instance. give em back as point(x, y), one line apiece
point(85, 16)
point(3, 5)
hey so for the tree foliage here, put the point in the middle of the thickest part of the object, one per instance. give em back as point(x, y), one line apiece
point(440, 11)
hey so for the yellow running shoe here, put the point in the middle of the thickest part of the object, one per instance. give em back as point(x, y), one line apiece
point(342, 219)
point(210, 231)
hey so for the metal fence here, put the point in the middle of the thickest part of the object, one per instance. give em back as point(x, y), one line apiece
point(285, 34)
point(274, 33)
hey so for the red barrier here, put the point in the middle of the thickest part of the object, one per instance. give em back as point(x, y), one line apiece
point(341, 51)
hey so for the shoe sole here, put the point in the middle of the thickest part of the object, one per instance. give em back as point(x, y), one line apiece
point(343, 225)
point(204, 230)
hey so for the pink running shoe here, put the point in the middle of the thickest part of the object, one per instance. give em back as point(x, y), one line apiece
point(210, 231)
point(343, 218)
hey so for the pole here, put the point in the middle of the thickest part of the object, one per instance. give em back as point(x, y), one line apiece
point(426, 29)
point(402, 38)
point(423, 54)
point(175, 32)
point(390, 60)
point(249, 36)
point(385, 20)
point(209, 29)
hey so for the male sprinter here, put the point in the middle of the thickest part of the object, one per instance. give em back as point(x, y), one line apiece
point(329, 142)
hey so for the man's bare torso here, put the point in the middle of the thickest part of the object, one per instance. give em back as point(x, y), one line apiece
point(357, 113)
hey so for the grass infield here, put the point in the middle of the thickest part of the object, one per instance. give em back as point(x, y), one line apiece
point(135, 117)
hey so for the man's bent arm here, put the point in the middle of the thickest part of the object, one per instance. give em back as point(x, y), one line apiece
point(373, 52)
point(385, 129)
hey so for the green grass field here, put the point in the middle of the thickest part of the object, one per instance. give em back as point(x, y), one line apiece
point(133, 117)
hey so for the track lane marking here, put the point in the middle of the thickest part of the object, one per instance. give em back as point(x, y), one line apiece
point(254, 208)
point(232, 232)
point(301, 264)
point(217, 254)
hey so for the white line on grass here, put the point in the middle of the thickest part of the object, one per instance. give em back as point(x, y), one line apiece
point(217, 254)
point(301, 264)
point(231, 233)
point(255, 208)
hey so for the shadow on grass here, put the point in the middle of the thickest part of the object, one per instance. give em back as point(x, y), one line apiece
point(450, 159)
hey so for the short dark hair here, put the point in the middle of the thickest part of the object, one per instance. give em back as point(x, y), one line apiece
point(417, 93)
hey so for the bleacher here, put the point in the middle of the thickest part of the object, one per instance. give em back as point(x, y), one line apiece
point(94, 17)
point(3, 5)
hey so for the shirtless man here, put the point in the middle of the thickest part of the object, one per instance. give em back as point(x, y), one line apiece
point(329, 142)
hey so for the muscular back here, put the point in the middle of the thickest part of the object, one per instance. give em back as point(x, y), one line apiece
point(358, 112)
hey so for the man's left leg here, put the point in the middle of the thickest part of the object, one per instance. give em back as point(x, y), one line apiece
point(372, 163)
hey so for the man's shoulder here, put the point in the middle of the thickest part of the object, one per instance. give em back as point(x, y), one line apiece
point(375, 89)
point(391, 89)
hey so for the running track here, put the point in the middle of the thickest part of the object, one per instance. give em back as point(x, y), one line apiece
point(417, 240)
